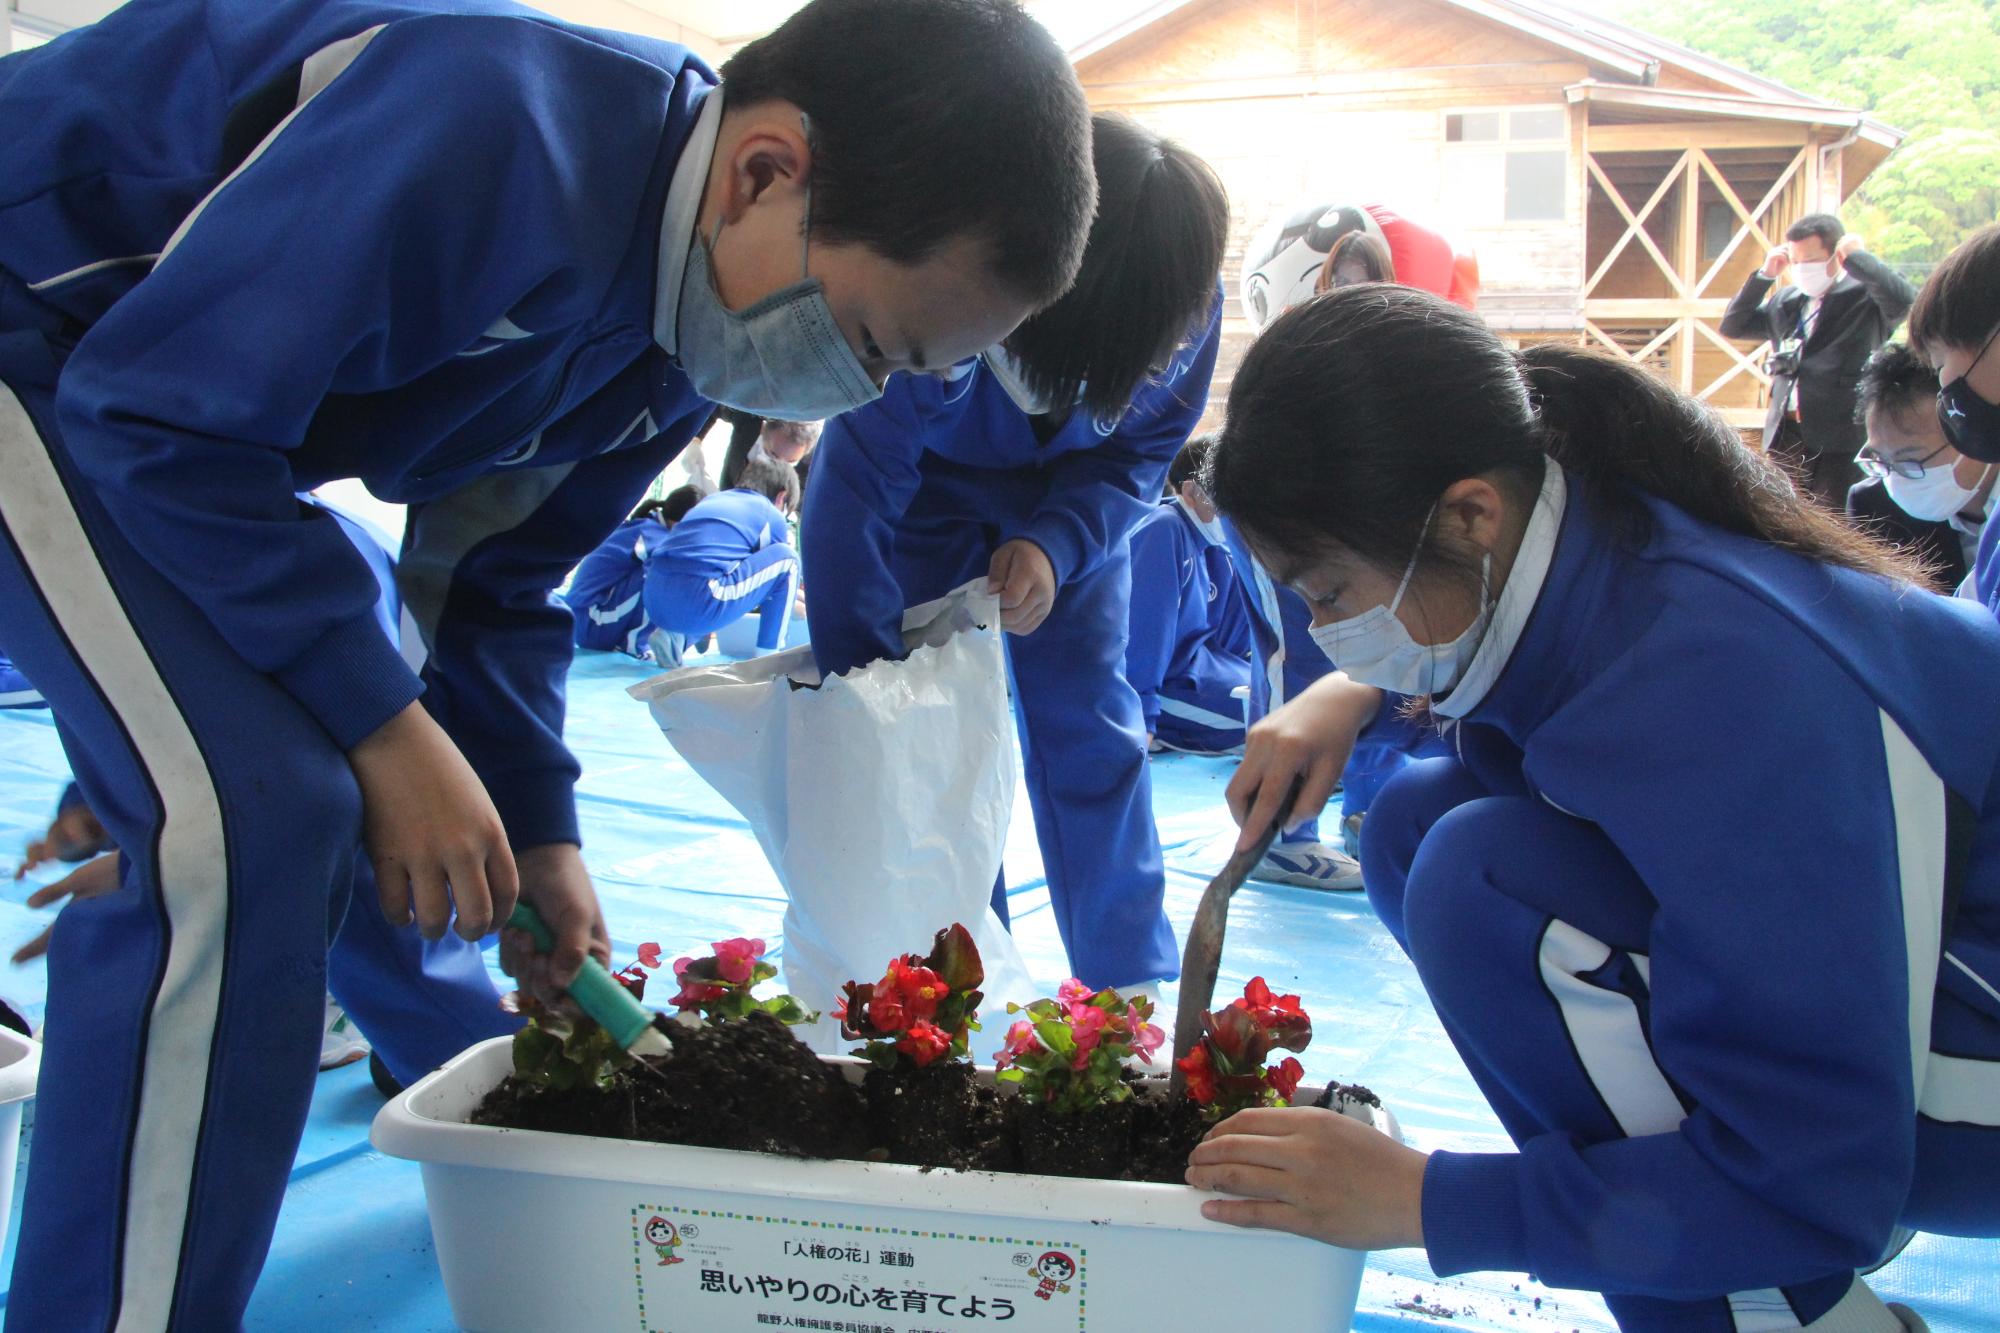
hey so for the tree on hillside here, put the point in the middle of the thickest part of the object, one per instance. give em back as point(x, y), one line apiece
point(1928, 67)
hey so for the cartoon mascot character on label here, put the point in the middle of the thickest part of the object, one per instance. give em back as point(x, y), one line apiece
point(660, 1234)
point(1054, 1269)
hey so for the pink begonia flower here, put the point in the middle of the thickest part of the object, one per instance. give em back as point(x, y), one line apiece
point(736, 959)
point(649, 955)
point(1021, 1039)
point(1146, 1037)
point(1086, 1024)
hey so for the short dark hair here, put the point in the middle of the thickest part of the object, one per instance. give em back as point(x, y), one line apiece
point(1148, 274)
point(1959, 305)
point(935, 119)
point(770, 478)
point(671, 508)
point(1823, 225)
point(1896, 381)
point(1188, 463)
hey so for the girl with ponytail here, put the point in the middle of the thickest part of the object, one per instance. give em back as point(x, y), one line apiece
point(1708, 894)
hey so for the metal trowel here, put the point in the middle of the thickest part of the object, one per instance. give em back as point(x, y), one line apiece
point(1202, 957)
point(638, 1030)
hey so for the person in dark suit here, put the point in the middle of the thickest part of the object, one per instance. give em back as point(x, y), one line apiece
point(1841, 304)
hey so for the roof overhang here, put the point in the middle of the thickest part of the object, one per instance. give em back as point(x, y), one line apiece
point(1681, 104)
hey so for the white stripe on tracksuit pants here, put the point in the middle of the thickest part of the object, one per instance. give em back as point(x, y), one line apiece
point(185, 1008)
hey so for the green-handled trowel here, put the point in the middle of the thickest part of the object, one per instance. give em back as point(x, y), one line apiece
point(637, 1030)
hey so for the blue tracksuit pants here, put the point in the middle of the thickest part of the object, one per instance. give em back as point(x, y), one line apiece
point(1083, 738)
point(1529, 929)
point(1198, 712)
point(186, 1007)
point(692, 604)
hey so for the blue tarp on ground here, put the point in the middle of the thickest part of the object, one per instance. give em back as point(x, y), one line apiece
point(675, 864)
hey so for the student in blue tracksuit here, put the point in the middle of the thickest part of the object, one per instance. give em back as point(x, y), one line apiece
point(1189, 649)
point(607, 592)
point(499, 267)
point(1954, 325)
point(1735, 1062)
point(1031, 465)
point(730, 556)
point(418, 1001)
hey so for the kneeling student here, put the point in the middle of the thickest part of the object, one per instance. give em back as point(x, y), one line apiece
point(1734, 1062)
point(729, 556)
point(1189, 648)
point(606, 594)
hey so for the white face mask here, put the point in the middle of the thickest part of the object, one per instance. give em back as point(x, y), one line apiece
point(1935, 496)
point(1376, 649)
point(1813, 279)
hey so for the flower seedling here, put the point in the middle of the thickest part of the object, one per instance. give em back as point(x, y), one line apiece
point(1226, 1072)
point(922, 1010)
point(558, 1051)
point(1068, 1054)
point(718, 986)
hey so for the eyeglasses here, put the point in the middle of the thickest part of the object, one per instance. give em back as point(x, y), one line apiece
point(1875, 465)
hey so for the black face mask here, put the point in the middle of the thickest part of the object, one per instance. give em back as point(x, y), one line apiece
point(1970, 422)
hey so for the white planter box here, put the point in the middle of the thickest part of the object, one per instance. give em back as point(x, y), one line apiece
point(20, 1065)
point(537, 1232)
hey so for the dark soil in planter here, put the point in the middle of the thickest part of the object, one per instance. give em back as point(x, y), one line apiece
point(1096, 1146)
point(940, 1116)
point(1164, 1131)
point(751, 1085)
point(747, 1084)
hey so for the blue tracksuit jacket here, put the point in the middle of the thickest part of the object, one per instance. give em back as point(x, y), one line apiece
point(437, 276)
point(1096, 484)
point(607, 590)
point(1799, 844)
point(1190, 629)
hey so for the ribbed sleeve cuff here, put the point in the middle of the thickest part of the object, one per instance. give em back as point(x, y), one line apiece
point(1059, 541)
point(353, 680)
point(1472, 1213)
point(537, 808)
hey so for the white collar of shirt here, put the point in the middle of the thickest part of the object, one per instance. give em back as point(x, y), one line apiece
point(1211, 531)
point(1517, 598)
point(677, 219)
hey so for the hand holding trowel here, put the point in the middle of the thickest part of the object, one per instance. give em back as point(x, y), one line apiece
point(1202, 957)
point(639, 1031)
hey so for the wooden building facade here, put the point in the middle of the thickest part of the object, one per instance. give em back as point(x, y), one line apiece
point(1616, 188)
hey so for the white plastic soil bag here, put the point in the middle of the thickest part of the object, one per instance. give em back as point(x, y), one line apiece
point(881, 797)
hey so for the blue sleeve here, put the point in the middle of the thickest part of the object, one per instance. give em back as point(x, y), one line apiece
point(864, 476)
point(1157, 594)
point(1097, 496)
point(478, 574)
point(1778, 974)
point(357, 251)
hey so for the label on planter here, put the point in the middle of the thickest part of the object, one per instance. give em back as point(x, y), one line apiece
point(701, 1269)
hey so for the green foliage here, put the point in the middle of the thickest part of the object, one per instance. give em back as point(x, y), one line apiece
point(558, 1053)
point(1928, 67)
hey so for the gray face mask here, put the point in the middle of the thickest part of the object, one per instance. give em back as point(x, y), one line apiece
point(781, 357)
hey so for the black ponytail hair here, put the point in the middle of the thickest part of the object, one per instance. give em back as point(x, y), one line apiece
point(1148, 276)
point(1355, 411)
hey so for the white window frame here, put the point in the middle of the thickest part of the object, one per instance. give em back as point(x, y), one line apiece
point(1459, 157)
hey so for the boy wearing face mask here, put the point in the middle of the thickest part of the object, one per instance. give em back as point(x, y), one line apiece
point(1953, 326)
point(1921, 494)
point(501, 268)
point(1841, 304)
